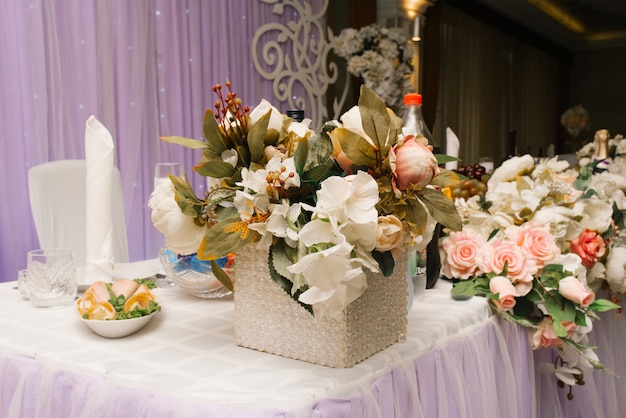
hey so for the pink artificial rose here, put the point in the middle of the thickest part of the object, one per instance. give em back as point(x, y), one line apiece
point(505, 290)
point(537, 241)
point(571, 288)
point(413, 164)
point(520, 267)
point(545, 337)
point(460, 250)
point(589, 246)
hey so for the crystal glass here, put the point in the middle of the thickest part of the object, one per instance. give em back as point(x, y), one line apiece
point(194, 275)
point(21, 284)
point(161, 174)
point(51, 277)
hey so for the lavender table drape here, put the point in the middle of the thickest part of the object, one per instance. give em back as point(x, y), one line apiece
point(144, 68)
point(457, 361)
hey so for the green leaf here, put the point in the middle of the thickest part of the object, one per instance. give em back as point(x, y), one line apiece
point(442, 209)
point(464, 288)
point(385, 262)
point(285, 283)
point(581, 319)
point(602, 305)
point(356, 148)
point(558, 328)
point(256, 137)
point(219, 243)
point(186, 199)
point(222, 276)
point(186, 142)
point(215, 168)
point(560, 308)
point(213, 134)
point(300, 156)
point(374, 118)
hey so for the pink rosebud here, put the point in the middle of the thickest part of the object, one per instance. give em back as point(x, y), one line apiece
point(460, 249)
point(545, 337)
point(589, 246)
point(505, 290)
point(413, 165)
point(572, 289)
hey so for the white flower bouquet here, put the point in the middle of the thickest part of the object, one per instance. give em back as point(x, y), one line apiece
point(327, 205)
point(381, 56)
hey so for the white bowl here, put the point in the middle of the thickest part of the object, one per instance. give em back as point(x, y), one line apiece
point(117, 328)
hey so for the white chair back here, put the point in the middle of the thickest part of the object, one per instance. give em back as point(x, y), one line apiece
point(57, 192)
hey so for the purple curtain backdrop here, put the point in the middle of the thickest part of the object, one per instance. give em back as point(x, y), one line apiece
point(144, 68)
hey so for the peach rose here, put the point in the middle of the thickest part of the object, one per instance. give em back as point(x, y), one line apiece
point(390, 233)
point(460, 250)
point(571, 288)
point(545, 337)
point(413, 164)
point(505, 290)
point(520, 267)
point(589, 246)
point(537, 241)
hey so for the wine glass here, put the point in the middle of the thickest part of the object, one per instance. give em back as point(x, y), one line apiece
point(161, 174)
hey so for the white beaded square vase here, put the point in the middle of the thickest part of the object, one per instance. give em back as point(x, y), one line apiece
point(267, 319)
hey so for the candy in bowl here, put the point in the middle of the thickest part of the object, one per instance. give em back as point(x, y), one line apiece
point(195, 275)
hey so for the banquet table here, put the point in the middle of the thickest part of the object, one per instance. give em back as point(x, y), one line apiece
point(458, 360)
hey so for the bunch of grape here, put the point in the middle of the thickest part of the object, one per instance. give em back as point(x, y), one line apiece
point(475, 184)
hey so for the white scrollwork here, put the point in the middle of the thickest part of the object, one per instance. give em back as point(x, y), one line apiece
point(295, 56)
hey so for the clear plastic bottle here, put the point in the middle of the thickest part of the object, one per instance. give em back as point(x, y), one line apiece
point(414, 125)
point(414, 121)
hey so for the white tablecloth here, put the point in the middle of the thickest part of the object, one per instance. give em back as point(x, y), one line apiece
point(457, 360)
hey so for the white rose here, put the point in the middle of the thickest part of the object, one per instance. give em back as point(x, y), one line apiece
point(390, 233)
point(182, 235)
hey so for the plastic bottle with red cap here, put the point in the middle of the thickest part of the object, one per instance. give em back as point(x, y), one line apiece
point(414, 125)
point(413, 120)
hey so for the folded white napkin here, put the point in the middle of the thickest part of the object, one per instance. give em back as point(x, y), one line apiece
point(452, 148)
point(99, 155)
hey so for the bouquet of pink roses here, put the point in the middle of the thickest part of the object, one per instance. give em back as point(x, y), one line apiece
point(527, 246)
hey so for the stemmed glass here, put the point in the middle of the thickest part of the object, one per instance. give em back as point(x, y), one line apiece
point(161, 174)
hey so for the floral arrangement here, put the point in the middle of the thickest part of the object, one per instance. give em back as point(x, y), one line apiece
point(326, 205)
point(381, 56)
point(576, 120)
point(532, 245)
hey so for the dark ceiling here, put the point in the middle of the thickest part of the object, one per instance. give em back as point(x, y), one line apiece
point(572, 24)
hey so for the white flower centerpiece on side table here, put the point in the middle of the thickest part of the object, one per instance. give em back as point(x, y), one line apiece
point(320, 224)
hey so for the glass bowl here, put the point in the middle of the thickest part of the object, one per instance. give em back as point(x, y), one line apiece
point(194, 275)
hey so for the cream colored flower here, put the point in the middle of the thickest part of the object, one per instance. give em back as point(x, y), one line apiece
point(390, 233)
point(182, 235)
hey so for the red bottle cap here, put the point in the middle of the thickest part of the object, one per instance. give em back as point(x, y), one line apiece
point(413, 99)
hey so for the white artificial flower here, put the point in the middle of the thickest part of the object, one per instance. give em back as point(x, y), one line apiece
point(283, 222)
point(276, 118)
point(300, 129)
point(616, 269)
point(248, 205)
point(182, 235)
point(289, 177)
point(349, 198)
point(510, 169)
point(594, 214)
point(255, 181)
point(334, 280)
point(230, 156)
point(351, 121)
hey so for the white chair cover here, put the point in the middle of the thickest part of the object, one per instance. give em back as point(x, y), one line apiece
point(58, 202)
